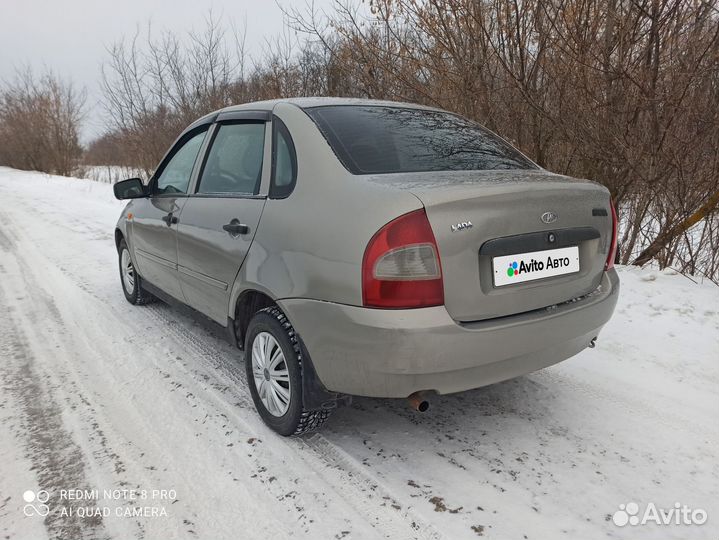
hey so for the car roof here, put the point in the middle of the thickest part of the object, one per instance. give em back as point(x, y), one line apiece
point(310, 102)
point(303, 103)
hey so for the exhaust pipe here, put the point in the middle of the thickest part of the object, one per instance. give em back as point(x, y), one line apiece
point(418, 402)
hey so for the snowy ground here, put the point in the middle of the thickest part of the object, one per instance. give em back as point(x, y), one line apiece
point(99, 395)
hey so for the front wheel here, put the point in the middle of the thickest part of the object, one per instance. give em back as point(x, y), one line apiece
point(130, 279)
point(273, 365)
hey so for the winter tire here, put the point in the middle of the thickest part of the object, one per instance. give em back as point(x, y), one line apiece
point(273, 364)
point(130, 280)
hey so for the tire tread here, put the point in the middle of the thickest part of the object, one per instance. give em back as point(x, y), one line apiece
point(139, 296)
point(310, 420)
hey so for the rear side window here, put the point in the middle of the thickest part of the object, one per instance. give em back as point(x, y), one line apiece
point(284, 161)
point(376, 140)
point(234, 161)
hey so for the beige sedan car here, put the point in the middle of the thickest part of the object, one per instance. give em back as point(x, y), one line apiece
point(356, 247)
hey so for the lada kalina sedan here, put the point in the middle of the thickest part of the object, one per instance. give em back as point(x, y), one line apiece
point(355, 247)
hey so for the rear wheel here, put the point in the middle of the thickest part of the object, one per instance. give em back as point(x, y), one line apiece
point(130, 279)
point(273, 365)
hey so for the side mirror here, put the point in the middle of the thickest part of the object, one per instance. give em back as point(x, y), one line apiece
point(132, 188)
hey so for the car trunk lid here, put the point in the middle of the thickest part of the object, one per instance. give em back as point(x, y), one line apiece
point(477, 216)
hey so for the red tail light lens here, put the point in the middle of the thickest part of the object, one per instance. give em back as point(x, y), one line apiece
point(401, 267)
point(613, 247)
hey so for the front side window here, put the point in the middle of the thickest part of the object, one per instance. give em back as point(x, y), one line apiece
point(370, 139)
point(234, 162)
point(176, 173)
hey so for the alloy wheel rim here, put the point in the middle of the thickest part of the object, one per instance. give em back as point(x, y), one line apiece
point(270, 373)
point(128, 272)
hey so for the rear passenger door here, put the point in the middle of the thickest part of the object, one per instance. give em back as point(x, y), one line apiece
point(220, 218)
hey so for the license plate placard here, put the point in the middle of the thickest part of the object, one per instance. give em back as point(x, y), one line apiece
point(521, 267)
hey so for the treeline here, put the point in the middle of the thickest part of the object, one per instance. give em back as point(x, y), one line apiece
point(622, 92)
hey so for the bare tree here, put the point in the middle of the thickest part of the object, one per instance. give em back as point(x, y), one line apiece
point(155, 86)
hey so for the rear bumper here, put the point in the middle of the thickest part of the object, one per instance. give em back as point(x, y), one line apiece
point(392, 353)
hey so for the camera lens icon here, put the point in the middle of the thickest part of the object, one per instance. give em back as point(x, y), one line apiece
point(36, 503)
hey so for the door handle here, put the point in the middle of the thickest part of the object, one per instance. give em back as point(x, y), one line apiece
point(170, 219)
point(235, 228)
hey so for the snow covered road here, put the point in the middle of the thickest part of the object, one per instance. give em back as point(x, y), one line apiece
point(115, 400)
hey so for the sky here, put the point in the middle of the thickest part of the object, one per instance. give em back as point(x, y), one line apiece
point(71, 37)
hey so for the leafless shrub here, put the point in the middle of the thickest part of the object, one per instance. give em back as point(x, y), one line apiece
point(39, 123)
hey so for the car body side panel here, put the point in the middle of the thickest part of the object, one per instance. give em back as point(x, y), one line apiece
point(145, 232)
point(311, 244)
point(210, 257)
point(124, 226)
point(155, 242)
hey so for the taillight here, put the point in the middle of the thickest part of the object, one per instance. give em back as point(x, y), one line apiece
point(613, 247)
point(401, 267)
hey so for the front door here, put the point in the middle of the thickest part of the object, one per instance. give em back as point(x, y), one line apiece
point(220, 219)
point(154, 223)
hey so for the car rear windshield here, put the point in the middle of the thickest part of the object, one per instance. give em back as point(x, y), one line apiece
point(377, 139)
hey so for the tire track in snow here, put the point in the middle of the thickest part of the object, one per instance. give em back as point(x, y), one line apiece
point(57, 460)
point(90, 428)
point(335, 457)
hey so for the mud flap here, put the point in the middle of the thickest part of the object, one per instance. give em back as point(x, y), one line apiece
point(314, 394)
